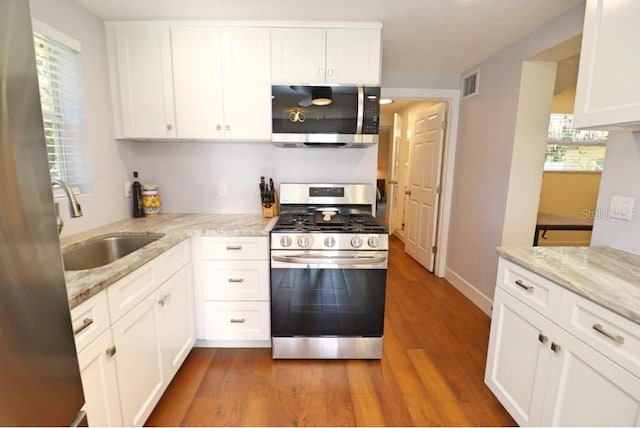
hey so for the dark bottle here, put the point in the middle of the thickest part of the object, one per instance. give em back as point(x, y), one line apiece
point(138, 209)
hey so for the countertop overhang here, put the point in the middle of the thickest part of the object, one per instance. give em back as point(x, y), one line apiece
point(605, 275)
point(83, 284)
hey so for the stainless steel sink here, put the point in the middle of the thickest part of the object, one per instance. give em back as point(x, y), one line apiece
point(105, 249)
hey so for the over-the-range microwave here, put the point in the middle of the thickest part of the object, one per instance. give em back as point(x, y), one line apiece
point(325, 116)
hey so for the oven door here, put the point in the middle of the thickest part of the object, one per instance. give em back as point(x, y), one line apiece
point(328, 293)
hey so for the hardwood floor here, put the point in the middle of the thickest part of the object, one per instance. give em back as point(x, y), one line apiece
point(431, 374)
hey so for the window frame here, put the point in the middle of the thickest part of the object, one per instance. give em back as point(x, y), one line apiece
point(80, 148)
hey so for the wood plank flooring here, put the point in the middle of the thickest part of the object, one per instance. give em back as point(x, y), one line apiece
point(431, 374)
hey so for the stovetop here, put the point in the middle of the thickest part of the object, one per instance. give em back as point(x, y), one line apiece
point(328, 221)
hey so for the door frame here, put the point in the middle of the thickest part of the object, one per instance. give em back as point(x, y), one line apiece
point(452, 98)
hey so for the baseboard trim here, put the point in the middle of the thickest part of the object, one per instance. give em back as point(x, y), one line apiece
point(470, 292)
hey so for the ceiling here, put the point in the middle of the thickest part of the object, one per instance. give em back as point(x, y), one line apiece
point(419, 36)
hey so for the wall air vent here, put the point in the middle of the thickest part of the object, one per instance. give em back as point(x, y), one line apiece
point(470, 84)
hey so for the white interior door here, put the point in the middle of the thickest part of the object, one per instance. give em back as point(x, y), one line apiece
point(425, 165)
point(392, 192)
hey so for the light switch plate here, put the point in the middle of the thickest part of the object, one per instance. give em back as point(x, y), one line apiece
point(223, 189)
point(621, 207)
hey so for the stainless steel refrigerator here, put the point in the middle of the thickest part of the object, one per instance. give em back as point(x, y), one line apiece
point(39, 375)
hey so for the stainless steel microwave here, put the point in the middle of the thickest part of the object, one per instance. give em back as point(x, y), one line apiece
point(325, 116)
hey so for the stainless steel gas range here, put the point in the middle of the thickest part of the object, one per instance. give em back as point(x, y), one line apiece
point(328, 273)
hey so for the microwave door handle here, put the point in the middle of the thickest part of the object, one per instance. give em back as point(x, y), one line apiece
point(360, 116)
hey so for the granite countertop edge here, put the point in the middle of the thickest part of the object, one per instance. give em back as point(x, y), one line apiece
point(604, 275)
point(84, 284)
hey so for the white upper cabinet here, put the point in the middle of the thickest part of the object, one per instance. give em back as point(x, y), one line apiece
point(608, 96)
point(247, 83)
point(219, 72)
point(334, 55)
point(144, 81)
point(197, 69)
point(215, 73)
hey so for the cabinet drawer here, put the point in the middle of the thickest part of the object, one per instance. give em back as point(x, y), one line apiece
point(535, 291)
point(172, 260)
point(130, 290)
point(235, 248)
point(90, 319)
point(237, 321)
point(613, 335)
point(235, 280)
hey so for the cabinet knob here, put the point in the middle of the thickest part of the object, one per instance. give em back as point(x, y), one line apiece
point(542, 338)
point(111, 351)
point(330, 72)
point(321, 71)
point(169, 127)
point(218, 127)
point(227, 127)
point(555, 347)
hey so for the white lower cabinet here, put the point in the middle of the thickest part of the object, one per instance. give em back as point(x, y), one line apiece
point(139, 362)
point(543, 374)
point(232, 291)
point(151, 330)
point(96, 358)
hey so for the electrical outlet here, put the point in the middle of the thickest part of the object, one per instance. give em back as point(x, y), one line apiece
point(127, 189)
point(223, 189)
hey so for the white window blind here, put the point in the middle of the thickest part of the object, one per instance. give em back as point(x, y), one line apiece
point(570, 149)
point(62, 99)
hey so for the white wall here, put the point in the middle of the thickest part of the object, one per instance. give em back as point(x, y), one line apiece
point(620, 177)
point(107, 202)
point(483, 161)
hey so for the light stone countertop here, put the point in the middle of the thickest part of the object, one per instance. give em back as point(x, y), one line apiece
point(604, 275)
point(83, 284)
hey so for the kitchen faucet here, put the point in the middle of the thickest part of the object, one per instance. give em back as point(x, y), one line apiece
point(75, 210)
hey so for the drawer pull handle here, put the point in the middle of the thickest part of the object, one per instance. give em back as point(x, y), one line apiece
point(236, 279)
point(542, 338)
point(521, 284)
point(85, 323)
point(615, 337)
point(234, 247)
point(111, 351)
point(555, 347)
point(237, 320)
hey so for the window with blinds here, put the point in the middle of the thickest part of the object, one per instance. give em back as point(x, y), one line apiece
point(570, 149)
point(62, 100)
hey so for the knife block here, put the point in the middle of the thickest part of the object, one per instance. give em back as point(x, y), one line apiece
point(272, 211)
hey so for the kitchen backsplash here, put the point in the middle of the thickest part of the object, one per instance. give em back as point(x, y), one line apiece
point(189, 174)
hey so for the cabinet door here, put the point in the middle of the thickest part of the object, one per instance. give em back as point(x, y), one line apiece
point(587, 389)
point(197, 70)
point(176, 323)
point(353, 56)
point(100, 383)
point(138, 361)
point(518, 358)
point(247, 84)
point(607, 95)
point(298, 55)
point(145, 80)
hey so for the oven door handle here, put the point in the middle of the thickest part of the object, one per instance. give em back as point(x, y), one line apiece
point(331, 260)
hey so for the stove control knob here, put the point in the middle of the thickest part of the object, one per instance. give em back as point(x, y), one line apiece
point(303, 241)
point(356, 242)
point(329, 241)
point(373, 242)
point(285, 241)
